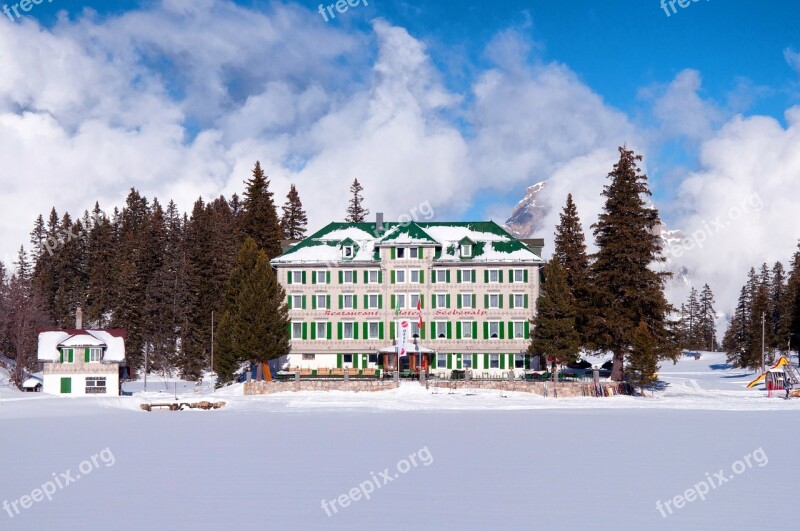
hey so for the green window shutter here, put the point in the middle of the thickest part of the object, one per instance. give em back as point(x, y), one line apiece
point(474, 329)
point(437, 253)
point(433, 330)
point(510, 330)
point(339, 359)
point(511, 301)
point(501, 329)
point(486, 300)
point(66, 385)
point(392, 275)
point(486, 330)
point(305, 330)
point(510, 361)
point(458, 277)
point(61, 356)
point(313, 330)
point(355, 330)
point(421, 276)
point(341, 277)
point(329, 330)
point(380, 301)
point(366, 301)
point(289, 277)
point(433, 277)
point(447, 300)
point(391, 330)
point(527, 361)
point(458, 300)
point(500, 276)
point(510, 279)
point(341, 302)
point(380, 330)
point(355, 301)
point(290, 302)
point(71, 352)
point(313, 277)
point(355, 276)
point(525, 276)
point(474, 301)
point(304, 277)
point(380, 277)
point(355, 361)
point(526, 300)
point(475, 360)
point(500, 301)
point(313, 302)
point(433, 301)
point(449, 361)
point(339, 335)
point(327, 302)
point(365, 335)
point(485, 276)
point(394, 302)
point(86, 355)
point(289, 328)
point(366, 276)
point(448, 276)
point(526, 329)
point(328, 277)
point(394, 253)
point(458, 329)
point(485, 361)
point(422, 332)
point(304, 301)
point(502, 361)
point(449, 330)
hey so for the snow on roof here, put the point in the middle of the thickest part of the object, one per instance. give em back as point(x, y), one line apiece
point(354, 233)
point(113, 340)
point(31, 383)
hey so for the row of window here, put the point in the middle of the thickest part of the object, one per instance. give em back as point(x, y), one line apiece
point(404, 301)
point(467, 329)
point(411, 276)
point(89, 354)
point(411, 253)
point(444, 360)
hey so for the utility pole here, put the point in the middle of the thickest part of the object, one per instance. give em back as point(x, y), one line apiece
point(212, 340)
point(763, 321)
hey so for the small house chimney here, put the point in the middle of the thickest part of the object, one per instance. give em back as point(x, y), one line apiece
point(379, 222)
point(79, 318)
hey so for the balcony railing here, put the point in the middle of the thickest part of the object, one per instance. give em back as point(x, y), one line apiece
point(80, 367)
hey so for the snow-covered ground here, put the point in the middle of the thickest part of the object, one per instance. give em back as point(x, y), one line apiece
point(435, 459)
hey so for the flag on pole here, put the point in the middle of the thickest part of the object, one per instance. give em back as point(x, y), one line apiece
point(419, 313)
point(403, 332)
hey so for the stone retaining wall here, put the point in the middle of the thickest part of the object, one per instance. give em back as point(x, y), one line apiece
point(562, 389)
point(266, 388)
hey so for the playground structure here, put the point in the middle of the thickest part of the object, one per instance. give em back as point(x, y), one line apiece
point(778, 377)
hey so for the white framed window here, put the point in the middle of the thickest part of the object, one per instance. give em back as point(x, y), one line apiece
point(348, 328)
point(441, 329)
point(372, 276)
point(347, 359)
point(309, 357)
point(519, 361)
point(519, 300)
point(494, 276)
point(347, 301)
point(347, 251)
point(348, 276)
point(494, 361)
point(297, 302)
point(297, 330)
point(467, 276)
point(373, 330)
point(494, 300)
point(322, 276)
point(466, 250)
point(466, 329)
point(401, 252)
point(414, 277)
point(66, 354)
point(415, 329)
point(322, 330)
point(466, 361)
point(96, 354)
point(519, 329)
point(441, 300)
point(413, 299)
point(297, 277)
point(372, 301)
point(467, 300)
point(518, 276)
point(322, 301)
point(441, 361)
point(400, 276)
point(413, 252)
point(441, 275)
point(494, 329)
point(95, 385)
point(400, 300)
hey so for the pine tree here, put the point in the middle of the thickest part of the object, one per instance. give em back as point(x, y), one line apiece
point(779, 332)
point(737, 337)
point(643, 366)
point(294, 220)
point(570, 251)
point(356, 213)
point(624, 285)
point(255, 319)
point(554, 333)
point(260, 217)
point(692, 325)
point(707, 320)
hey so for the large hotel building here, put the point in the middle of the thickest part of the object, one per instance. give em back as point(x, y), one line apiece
point(349, 283)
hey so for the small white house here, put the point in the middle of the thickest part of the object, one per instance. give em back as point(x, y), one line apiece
point(82, 362)
point(32, 385)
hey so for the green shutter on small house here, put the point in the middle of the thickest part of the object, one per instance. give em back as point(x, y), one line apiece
point(458, 329)
point(339, 359)
point(474, 301)
point(510, 279)
point(380, 330)
point(87, 355)
point(449, 360)
point(66, 385)
point(329, 330)
point(339, 336)
point(458, 361)
point(71, 352)
point(61, 356)
point(511, 361)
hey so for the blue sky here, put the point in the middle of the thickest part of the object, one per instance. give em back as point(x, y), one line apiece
point(460, 104)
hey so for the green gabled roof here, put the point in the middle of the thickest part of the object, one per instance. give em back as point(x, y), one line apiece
point(412, 232)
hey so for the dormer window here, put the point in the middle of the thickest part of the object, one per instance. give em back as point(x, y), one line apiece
point(95, 354)
point(347, 251)
point(466, 250)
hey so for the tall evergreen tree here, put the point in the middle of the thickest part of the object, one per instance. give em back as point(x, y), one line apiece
point(554, 332)
point(570, 251)
point(707, 320)
point(693, 341)
point(294, 220)
point(255, 318)
point(778, 296)
point(624, 285)
point(356, 213)
point(260, 217)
